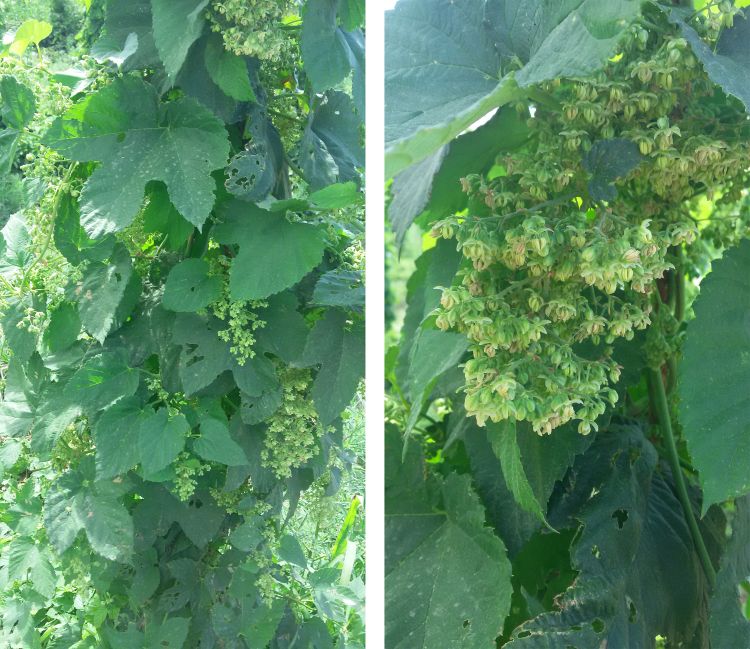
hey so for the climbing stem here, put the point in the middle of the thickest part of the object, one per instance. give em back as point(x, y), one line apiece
point(665, 423)
point(679, 289)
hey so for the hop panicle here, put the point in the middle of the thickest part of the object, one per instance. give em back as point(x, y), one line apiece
point(552, 281)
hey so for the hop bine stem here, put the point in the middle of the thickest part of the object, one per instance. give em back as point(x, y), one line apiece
point(656, 384)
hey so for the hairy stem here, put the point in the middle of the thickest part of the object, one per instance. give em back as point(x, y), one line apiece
point(665, 423)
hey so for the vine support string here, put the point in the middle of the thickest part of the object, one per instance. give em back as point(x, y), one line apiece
point(665, 423)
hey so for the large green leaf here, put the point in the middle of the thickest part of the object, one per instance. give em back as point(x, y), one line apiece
point(14, 246)
point(137, 140)
point(638, 573)
point(715, 379)
point(177, 25)
point(728, 63)
point(228, 70)
point(447, 576)
point(267, 240)
point(76, 502)
point(253, 173)
point(447, 62)
point(434, 267)
point(339, 349)
point(31, 32)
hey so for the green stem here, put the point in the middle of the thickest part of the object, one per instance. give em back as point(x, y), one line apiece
point(665, 423)
point(679, 301)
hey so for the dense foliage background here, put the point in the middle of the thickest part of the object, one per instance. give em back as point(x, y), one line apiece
point(567, 421)
point(181, 305)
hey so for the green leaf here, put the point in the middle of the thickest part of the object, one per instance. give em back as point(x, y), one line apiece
point(169, 634)
point(729, 626)
point(103, 289)
point(445, 61)
point(352, 14)
point(433, 186)
point(14, 246)
point(728, 63)
point(137, 141)
point(216, 444)
point(160, 216)
point(505, 446)
point(638, 575)
point(514, 525)
point(247, 537)
point(339, 349)
point(30, 561)
point(715, 379)
point(336, 196)
point(434, 267)
point(161, 439)
point(285, 331)
point(434, 353)
point(438, 550)
point(132, 638)
point(331, 150)
point(606, 161)
point(265, 239)
point(63, 328)
point(31, 32)
point(19, 340)
point(325, 51)
point(18, 624)
point(291, 551)
point(177, 25)
point(205, 356)
point(253, 173)
point(228, 71)
point(9, 139)
point(102, 381)
point(76, 502)
point(71, 239)
point(128, 38)
point(116, 437)
point(19, 104)
point(342, 288)
point(189, 286)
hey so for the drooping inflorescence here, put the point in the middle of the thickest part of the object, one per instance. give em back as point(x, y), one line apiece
point(553, 274)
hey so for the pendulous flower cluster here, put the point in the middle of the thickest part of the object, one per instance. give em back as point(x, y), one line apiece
point(552, 276)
